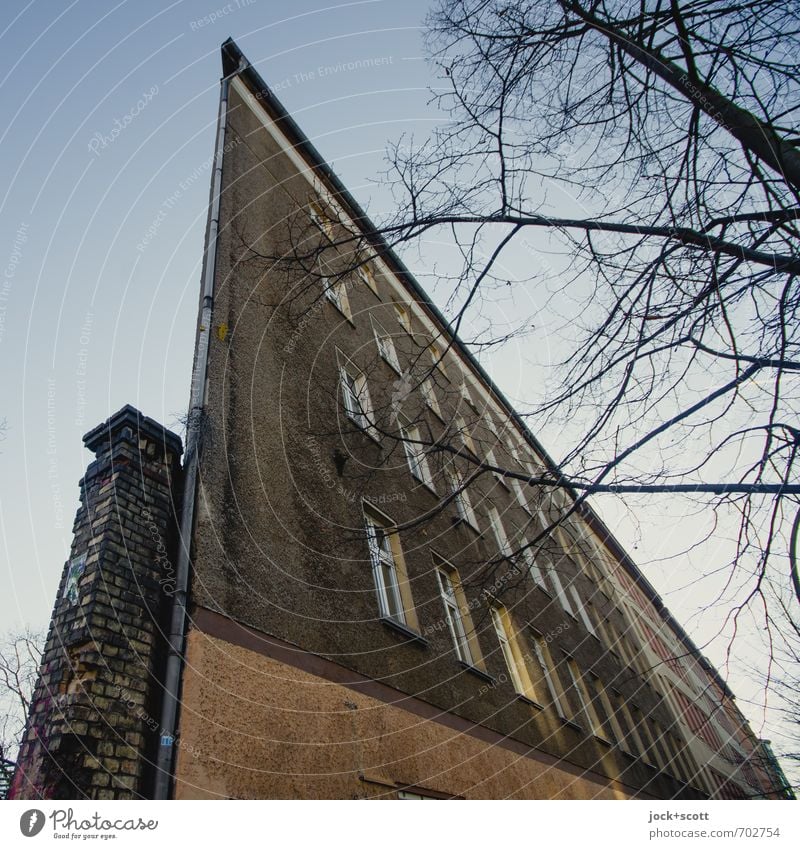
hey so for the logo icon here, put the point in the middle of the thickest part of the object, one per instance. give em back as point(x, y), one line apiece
point(31, 822)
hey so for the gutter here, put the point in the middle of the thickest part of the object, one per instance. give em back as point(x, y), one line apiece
point(174, 665)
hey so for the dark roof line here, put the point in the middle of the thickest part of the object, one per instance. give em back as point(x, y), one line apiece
point(232, 59)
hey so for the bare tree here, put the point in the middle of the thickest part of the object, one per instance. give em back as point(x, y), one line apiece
point(668, 131)
point(20, 656)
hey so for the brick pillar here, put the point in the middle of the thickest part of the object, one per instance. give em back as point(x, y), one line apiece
point(92, 729)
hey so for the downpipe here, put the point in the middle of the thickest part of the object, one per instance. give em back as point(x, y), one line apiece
point(165, 758)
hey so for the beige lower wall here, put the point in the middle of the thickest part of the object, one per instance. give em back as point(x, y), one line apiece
point(255, 727)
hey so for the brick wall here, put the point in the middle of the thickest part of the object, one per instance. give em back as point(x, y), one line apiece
point(93, 723)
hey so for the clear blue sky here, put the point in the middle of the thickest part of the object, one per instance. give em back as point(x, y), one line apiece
point(110, 113)
point(109, 128)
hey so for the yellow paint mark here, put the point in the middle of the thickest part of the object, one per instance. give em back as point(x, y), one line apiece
point(222, 332)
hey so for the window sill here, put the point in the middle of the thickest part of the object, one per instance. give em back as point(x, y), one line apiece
point(570, 723)
point(392, 366)
point(458, 520)
point(425, 485)
point(474, 670)
point(412, 635)
point(602, 740)
point(528, 701)
point(437, 413)
point(348, 318)
point(367, 431)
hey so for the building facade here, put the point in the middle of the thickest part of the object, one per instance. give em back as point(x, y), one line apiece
point(380, 604)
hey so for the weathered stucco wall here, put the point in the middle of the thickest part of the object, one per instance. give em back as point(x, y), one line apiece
point(279, 541)
point(256, 727)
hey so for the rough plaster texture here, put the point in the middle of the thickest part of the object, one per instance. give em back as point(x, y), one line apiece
point(254, 727)
point(279, 540)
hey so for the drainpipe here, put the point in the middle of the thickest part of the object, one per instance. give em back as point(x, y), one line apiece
point(172, 674)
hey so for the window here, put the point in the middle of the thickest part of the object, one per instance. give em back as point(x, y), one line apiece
point(385, 345)
point(320, 219)
point(519, 492)
point(491, 460)
point(661, 743)
point(356, 400)
point(512, 652)
point(464, 435)
point(550, 678)
point(367, 277)
point(426, 388)
point(437, 358)
point(403, 316)
point(465, 394)
point(462, 500)
point(632, 740)
point(582, 612)
point(581, 692)
point(613, 729)
point(530, 561)
point(455, 613)
point(563, 599)
point(388, 571)
point(416, 456)
point(499, 532)
point(643, 730)
point(336, 293)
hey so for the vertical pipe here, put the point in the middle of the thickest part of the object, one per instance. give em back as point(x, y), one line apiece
point(172, 674)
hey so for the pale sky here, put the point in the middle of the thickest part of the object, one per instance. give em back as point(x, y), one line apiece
point(104, 173)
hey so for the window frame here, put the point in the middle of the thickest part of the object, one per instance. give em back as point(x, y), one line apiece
point(561, 594)
point(368, 278)
point(454, 615)
point(416, 455)
point(505, 548)
point(463, 502)
point(355, 396)
point(403, 315)
point(392, 557)
point(552, 681)
point(514, 656)
point(386, 347)
point(426, 389)
point(335, 292)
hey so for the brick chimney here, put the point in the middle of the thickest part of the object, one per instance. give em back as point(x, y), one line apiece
point(92, 729)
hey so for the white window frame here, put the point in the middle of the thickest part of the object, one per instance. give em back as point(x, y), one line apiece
point(383, 567)
point(464, 435)
point(584, 699)
point(499, 532)
point(563, 599)
point(437, 357)
point(519, 493)
point(403, 315)
point(356, 399)
point(386, 347)
point(463, 501)
point(455, 619)
point(368, 278)
point(581, 608)
point(336, 293)
point(508, 652)
point(543, 656)
point(428, 393)
point(491, 460)
point(416, 455)
point(320, 218)
point(465, 393)
point(536, 572)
